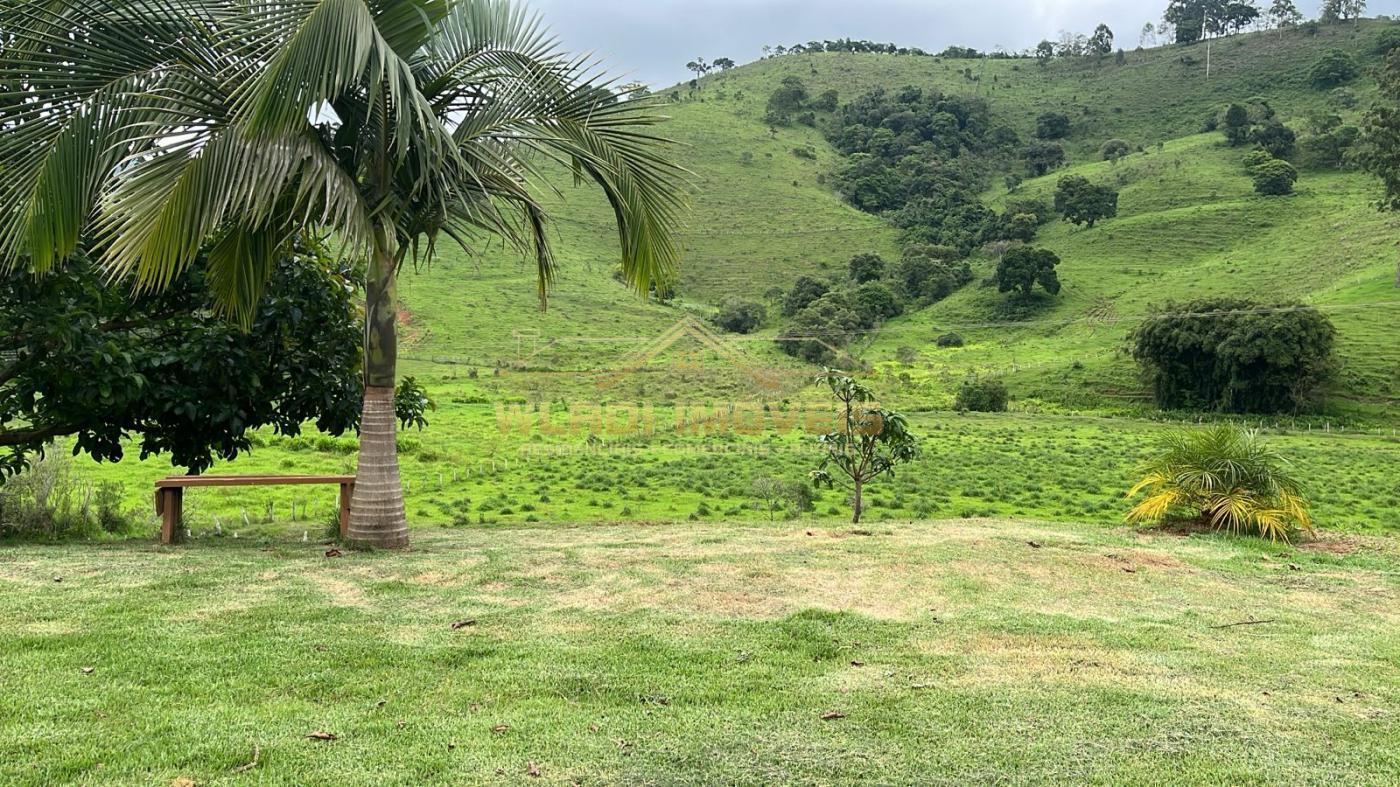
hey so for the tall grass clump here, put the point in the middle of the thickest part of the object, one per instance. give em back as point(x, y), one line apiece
point(47, 502)
point(1224, 477)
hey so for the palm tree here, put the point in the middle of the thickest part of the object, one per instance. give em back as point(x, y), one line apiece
point(154, 128)
point(1228, 479)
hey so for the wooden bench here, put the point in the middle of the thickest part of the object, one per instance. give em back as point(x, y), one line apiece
point(170, 495)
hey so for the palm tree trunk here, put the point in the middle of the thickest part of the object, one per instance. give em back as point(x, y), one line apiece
point(377, 516)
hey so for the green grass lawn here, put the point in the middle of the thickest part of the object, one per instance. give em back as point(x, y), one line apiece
point(932, 652)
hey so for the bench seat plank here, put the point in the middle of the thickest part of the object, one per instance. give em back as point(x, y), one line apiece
point(251, 480)
point(170, 494)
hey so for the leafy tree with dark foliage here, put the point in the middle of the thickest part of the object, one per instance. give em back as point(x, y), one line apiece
point(739, 316)
point(1052, 125)
point(789, 99)
point(981, 395)
point(1236, 356)
point(1082, 202)
point(1042, 157)
point(1236, 124)
point(1379, 151)
point(1274, 137)
point(1334, 67)
point(866, 267)
point(876, 302)
point(804, 291)
point(81, 357)
point(819, 331)
point(1024, 267)
point(924, 279)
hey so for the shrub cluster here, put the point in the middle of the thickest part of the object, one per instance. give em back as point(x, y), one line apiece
point(1236, 356)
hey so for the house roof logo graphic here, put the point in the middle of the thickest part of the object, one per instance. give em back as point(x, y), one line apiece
point(690, 330)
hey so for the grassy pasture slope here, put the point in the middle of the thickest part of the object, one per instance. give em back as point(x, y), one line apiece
point(1190, 225)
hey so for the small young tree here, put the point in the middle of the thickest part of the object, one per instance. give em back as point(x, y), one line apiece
point(868, 442)
point(1024, 267)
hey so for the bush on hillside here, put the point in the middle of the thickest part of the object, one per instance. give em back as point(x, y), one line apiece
point(1225, 478)
point(1274, 178)
point(1236, 124)
point(1256, 157)
point(789, 99)
point(739, 316)
point(1052, 125)
point(1021, 268)
point(1387, 40)
point(1274, 137)
point(981, 395)
point(925, 280)
point(1236, 356)
point(875, 303)
point(949, 340)
point(1334, 67)
point(804, 291)
point(1043, 157)
point(821, 330)
point(866, 267)
point(1115, 149)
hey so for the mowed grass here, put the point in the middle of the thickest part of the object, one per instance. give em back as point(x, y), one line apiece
point(930, 652)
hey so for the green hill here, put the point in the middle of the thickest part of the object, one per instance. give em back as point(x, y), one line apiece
point(1189, 225)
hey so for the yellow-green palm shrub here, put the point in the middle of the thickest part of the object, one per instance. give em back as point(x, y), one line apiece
point(1226, 477)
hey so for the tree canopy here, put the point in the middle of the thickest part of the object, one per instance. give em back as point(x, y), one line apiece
point(81, 356)
point(1023, 267)
point(1236, 355)
point(1082, 202)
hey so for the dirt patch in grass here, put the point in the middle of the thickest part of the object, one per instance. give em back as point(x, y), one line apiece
point(340, 592)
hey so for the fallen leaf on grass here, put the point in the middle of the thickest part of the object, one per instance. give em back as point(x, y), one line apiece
point(87, 670)
point(319, 735)
point(182, 782)
point(533, 770)
point(1034, 544)
point(461, 624)
point(500, 728)
point(833, 715)
point(333, 553)
point(857, 664)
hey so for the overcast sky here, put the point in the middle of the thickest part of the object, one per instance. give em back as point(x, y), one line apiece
point(651, 40)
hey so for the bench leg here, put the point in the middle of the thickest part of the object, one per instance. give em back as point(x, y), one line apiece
point(170, 507)
point(347, 491)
